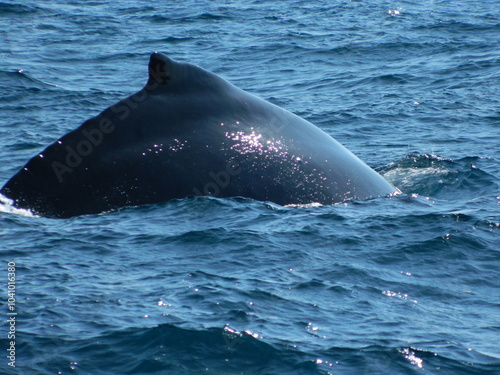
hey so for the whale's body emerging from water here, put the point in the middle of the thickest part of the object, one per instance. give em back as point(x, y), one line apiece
point(190, 132)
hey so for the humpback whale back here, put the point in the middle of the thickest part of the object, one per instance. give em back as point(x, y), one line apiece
point(190, 132)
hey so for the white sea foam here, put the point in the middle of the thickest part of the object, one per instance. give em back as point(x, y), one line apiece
point(6, 205)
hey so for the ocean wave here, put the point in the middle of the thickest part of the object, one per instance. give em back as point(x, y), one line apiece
point(21, 79)
point(172, 349)
point(166, 349)
point(432, 175)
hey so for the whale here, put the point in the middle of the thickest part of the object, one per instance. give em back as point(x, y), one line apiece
point(189, 132)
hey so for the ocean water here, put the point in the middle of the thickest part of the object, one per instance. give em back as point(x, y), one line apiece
point(401, 285)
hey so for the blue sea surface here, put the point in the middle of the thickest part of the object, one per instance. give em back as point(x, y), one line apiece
point(400, 285)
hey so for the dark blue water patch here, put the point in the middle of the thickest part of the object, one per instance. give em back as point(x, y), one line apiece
point(186, 19)
point(459, 28)
point(48, 27)
point(169, 40)
point(165, 348)
point(17, 9)
point(136, 9)
point(379, 359)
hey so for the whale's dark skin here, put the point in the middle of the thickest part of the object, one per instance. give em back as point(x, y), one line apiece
point(190, 132)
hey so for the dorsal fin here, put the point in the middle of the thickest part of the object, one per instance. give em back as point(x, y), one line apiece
point(159, 69)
